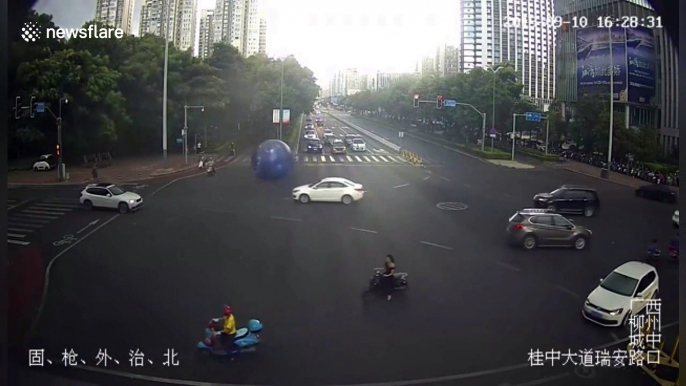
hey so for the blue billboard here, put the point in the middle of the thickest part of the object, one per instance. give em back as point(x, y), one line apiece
point(594, 62)
point(640, 46)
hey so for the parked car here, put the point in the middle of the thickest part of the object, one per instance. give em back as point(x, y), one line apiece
point(624, 292)
point(532, 228)
point(332, 189)
point(570, 199)
point(657, 192)
point(45, 162)
point(106, 195)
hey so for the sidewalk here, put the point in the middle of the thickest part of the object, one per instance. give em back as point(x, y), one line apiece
point(592, 171)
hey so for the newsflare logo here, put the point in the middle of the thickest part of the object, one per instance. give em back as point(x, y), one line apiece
point(30, 32)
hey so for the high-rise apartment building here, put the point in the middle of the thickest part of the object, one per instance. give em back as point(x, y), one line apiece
point(515, 31)
point(645, 63)
point(238, 23)
point(115, 13)
point(426, 65)
point(263, 35)
point(182, 19)
point(205, 33)
point(353, 81)
point(382, 80)
point(337, 85)
point(447, 60)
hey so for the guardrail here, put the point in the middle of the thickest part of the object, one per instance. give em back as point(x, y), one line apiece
point(379, 139)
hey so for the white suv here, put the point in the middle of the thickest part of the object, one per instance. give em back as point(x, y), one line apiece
point(106, 195)
point(359, 145)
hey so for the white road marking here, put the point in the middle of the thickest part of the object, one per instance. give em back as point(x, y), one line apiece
point(508, 266)
point(49, 205)
point(61, 199)
point(375, 159)
point(401, 186)
point(307, 159)
point(90, 224)
point(314, 159)
point(363, 230)
point(37, 216)
point(323, 158)
point(341, 159)
point(349, 158)
point(332, 159)
point(445, 179)
point(18, 242)
point(384, 159)
point(20, 224)
point(568, 291)
point(436, 245)
point(614, 336)
point(16, 205)
point(296, 158)
point(285, 218)
point(16, 235)
point(426, 178)
point(358, 158)
point(20, 230)
point(42, 212)
point(367, 158)
point(47, 274)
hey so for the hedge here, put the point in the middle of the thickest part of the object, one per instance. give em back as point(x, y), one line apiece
point(294, 129)
point(539, 155)
point(662, 168)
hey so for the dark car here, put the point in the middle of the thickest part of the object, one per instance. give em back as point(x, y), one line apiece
point(314, 146)
point(657, 192)
point(349, 139)
point(570, 199)
point(532, 228)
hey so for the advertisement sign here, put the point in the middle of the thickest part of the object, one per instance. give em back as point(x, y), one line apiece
point(275, 116)
point(594, 63)
point(640, 46)
point(286, 116)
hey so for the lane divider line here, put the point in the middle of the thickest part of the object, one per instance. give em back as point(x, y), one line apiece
point(286, 218)
point(436, 245)
point(401, 186)
point(363, 230)
point(508, 266)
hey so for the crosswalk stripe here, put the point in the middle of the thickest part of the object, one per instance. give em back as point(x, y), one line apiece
point(394, 159)
point(33, 211)
point(349, 159)
point(323, 159)
point(57, 206)
point(37, 216)
point(375, 159)
point(15, 235)
point(314, 159)
point(307, 158)
point(341, 159)
point(332, 159)
point(17, 242)
point(358, 158)
point(384, 159)
point(28, 220)
point(22, 224)
point(62, 199)
point(296, 158)
point(20, 230)
point(367, 158)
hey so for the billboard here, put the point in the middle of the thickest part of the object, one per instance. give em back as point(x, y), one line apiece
point(641, 63)
point(593, 62)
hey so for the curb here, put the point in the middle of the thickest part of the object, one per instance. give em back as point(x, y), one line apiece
point(599, 178)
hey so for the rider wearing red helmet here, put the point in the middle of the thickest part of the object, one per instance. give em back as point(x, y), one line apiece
point(229, 329)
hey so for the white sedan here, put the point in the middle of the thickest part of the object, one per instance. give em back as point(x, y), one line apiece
point(45, 162)
point(104, 195)
point(624, 292)
point(359, 145)
point(332, 189)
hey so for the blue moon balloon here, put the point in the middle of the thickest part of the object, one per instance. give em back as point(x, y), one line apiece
point(272, 159)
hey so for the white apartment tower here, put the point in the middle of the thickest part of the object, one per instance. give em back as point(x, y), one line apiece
point(447, 60)
point(238, 23)
point(182, 19)
point(515, 31)
point(263, 35)
point(205, 32)
point(186, 24)
point(115, 13)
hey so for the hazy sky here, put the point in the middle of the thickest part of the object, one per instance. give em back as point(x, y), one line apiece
point(330, 35)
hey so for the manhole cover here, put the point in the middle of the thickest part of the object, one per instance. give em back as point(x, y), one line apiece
point(451, 206)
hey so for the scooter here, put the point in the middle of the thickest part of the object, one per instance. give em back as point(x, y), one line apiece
point(399, 282)
point(246, 339)
point(211, 170)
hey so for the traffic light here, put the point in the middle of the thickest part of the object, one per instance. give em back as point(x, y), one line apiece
point(57, 150)
point(17, 107)
point(439, 102)
point(415, 100)
point(31, 106)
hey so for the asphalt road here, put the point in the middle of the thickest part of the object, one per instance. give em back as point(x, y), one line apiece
point(151, 280)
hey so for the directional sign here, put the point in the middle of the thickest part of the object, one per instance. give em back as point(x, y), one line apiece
point(179, 140)
point(450, 103)
point(400, 134)
point(493, 131)
point(40, 107)
point(533, 117)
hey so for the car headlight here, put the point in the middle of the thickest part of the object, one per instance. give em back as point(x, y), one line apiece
point(132, 201)
point(616, 312)
point(587, 303)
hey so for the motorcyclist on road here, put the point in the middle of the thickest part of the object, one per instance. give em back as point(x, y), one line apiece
point(653, 249)
point(229, 329)
point(388, 277)
point(674, 246)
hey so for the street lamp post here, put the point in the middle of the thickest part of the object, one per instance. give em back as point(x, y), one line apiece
point(164, 92)
point(606, 173)
point(281, 105)
point(185, 127)
point(483, 132)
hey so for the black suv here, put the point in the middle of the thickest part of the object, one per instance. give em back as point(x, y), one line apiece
point(570, 199)
point(315, 146)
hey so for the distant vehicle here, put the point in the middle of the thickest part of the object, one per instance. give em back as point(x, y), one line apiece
point(349, 139)
point(331, 189)
point(359, 145)
point(106, 195)
point(570, 199)
point(675, 218)
point(315, 146)
point(309, 126)
point(310, 134)
point(44, 162)
point(532, 228)
point(328, 131)
point(329, 138)
point(319, 122)
point(624, 292)
point(339, 147)
point(657, 192)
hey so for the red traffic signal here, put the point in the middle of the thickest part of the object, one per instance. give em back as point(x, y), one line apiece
point(439, 102)
point(415, 100)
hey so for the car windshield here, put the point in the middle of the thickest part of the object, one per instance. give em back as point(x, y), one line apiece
point(338, 142)
point(619, 284)
point(309, 131)
point(358, 140)
point(314, 143)
point(116, 191)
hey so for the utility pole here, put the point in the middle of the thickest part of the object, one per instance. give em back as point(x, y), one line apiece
point(164, 92)
point(281, 106)
point(185, 128)
point(612, 111)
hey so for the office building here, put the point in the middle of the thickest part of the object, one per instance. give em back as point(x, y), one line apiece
point(426, 65)
point(205, 33)
point(238, 22)
point(337, 85)
point(645, 60)
point(115, 13)
point(182, 21)
point(263, 35)
point(447, 60)
point(515, 31)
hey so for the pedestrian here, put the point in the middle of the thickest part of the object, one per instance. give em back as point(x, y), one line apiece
point(94, 172)
point(199, 146)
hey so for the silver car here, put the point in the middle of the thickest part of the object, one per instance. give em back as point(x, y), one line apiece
point(532, 228)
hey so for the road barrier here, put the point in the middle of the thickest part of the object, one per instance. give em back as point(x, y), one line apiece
point(657, 368)
point(411, 157)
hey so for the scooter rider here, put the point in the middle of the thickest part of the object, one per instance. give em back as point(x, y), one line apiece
point(388, 277)
point(229, 328)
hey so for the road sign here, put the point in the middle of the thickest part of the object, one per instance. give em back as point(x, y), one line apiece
point(275, 116)
point(400, 134)
point(533, 117)
point(179, 140)
point(493, 131)
point(450, 103)
point(286, 116)
point(40, 107)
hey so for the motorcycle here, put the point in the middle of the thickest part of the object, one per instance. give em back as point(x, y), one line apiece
point(211, 170)
point(245, 340)
point(399, 282)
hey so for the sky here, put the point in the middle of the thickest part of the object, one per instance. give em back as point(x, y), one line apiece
point(329, 35)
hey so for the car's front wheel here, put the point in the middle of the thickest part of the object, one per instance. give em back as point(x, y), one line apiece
point(304, 198)
point(123, 207)
point(347, 200)
point(580, 243)
point(88, 205)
